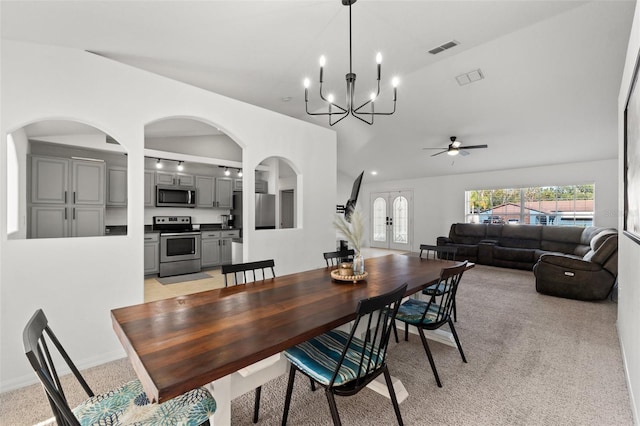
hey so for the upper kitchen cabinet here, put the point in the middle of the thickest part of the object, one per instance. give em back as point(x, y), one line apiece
point(224, 193)
point(204, 191)
point(63, 178)
point(174, 179)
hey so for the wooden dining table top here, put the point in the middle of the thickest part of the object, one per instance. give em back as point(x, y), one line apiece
point(184, 342)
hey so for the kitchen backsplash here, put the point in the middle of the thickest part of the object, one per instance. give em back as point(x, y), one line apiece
point(197, 215)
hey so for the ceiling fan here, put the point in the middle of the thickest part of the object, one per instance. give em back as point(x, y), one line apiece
point(456, 147)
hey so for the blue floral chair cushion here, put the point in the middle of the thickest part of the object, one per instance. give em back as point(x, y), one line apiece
point(411, 312)
point(129, 405)
point(319, 357)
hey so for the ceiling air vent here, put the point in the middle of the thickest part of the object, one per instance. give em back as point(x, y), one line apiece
point(443, 47)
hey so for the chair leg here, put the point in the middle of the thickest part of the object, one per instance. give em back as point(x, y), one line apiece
point(313, 385)
point(455, 336)
point(429, 356)
point(333, 407)
point(256, 407)
point(392, 394)
point(395, 330)
point(406, 331)
point(287, 401)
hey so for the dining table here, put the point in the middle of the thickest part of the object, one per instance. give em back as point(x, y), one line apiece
point(206, 338)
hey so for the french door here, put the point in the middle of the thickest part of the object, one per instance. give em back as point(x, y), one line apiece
point(392, 219)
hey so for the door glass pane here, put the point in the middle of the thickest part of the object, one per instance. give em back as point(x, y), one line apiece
point(379, 219)
point(400, 220)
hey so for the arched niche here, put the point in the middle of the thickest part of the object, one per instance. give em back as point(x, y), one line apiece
point(65, 179)
point(278, 177)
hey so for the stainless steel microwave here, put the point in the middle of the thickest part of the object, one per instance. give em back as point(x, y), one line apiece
point(174, 196)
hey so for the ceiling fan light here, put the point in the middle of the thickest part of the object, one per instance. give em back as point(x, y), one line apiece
point(453, 151)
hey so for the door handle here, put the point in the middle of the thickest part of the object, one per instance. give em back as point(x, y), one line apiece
point(65, 200)
point(74, 197)
point(65, 212)
point(74, 213)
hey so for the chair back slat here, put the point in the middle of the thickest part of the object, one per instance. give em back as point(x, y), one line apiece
point(439, 252)
point(441, 304)
point(334, 258)
point(251, 267)
point(379, 313)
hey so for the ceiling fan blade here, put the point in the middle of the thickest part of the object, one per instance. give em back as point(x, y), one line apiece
point(463, 152)
point(474, 146)
point(436, 148)
point(438, 153)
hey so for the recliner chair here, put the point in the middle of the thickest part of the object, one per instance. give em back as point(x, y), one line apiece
point(590, 277)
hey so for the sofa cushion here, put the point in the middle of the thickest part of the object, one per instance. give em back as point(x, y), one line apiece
point(467, 233)
point(518, 236)
point(605, 245)
point(514, 254)
point(560, 238)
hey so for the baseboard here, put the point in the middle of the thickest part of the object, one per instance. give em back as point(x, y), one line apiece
point(632, 400)
point(30, 379)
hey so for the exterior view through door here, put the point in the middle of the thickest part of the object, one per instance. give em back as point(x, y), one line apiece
point(392, 219)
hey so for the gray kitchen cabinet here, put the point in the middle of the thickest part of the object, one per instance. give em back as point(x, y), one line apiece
point(48, 222)
point(87, 221)
point(117, 186)
point(204, 191)
point(225, 245)
point(49, 180)
point(261, 186)
point(149, 188)
point(211, 248)
point(224, 193)
point(237, 184)
point(151, 253)
point(88, 182)
point(59, 212)
point(167, 178)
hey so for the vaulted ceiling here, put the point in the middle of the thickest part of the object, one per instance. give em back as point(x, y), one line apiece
point(552, 69)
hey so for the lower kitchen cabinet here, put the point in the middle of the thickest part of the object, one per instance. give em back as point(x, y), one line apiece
point(216, 247)
point(151, 253)
point(62, 221)
point(211, 247)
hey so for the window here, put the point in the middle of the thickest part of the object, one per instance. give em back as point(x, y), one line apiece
point(545, 205)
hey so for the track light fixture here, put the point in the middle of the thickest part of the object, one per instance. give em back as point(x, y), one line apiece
point(158, 164)
point(239, 172)
point(334, 110)
point(180, 166)
point(226, 171)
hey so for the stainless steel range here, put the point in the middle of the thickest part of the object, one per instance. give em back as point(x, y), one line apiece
point(179, 245)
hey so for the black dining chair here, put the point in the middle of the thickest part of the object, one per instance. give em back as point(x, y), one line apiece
point(434, 313)
point(249, 270)
point(444, 253)
point(248, 267)
point(127, 404)
point(344, 364)
point(334, 258)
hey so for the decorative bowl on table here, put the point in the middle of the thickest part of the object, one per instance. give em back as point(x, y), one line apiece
point(336, 275)
point(345, 269)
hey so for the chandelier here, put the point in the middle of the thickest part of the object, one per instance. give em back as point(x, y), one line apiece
point(365, 112)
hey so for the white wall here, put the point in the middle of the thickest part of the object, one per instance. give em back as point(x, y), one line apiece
point(77, 281)
point(629, 252)
point(439, 201)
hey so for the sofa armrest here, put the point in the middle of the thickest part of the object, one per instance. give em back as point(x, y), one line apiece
point(569, 262)
point(443, 241)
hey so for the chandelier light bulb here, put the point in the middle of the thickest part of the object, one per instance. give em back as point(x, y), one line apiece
point(372, 96)
point(330, 98)
point(323, 61)
point(379, 58)
point(395, 81)
point(306, 83)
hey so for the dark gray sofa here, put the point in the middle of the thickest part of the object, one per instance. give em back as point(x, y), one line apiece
point(570, 261)
point(517, 246)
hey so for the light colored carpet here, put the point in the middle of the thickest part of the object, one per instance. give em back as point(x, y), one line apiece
point(533, 360)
